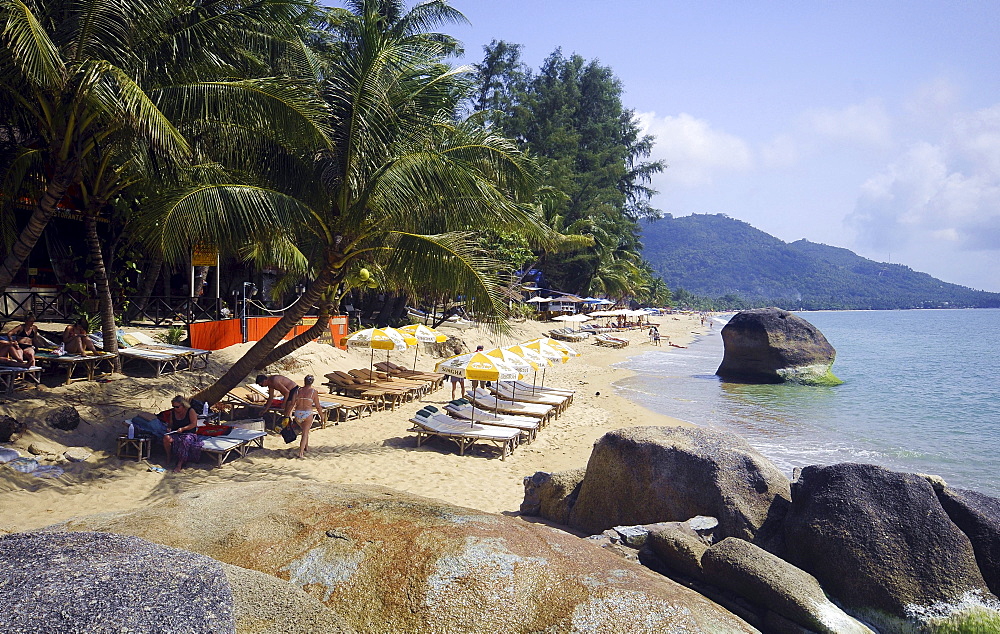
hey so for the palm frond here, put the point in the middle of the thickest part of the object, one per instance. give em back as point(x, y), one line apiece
point(31, 48)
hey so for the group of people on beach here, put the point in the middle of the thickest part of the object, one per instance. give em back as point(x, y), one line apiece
point(20, 344)
point(298, 405)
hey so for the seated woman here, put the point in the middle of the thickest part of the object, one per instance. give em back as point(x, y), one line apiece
point(77, 339)
point(24, 336)
point(181, 440)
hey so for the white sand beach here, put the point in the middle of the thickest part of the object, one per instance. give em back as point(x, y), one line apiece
point(373, 450)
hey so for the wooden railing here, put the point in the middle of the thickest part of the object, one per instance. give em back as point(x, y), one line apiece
point(63, 306)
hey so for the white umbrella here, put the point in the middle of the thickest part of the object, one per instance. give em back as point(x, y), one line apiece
point(577, 317)
point(425, 334)
point(538, 300)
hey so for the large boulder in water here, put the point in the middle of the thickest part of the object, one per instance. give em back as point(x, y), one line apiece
point(880, 543)
point(978, 516)
point(770, 345)
point(392, 562)
point(645, 475)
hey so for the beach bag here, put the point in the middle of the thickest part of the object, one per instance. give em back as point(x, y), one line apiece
point(213, 430)
point(288, 434)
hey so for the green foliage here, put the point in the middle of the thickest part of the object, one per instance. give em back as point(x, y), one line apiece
point(714, 256)
point(173, 335)
point(973, 621)
point(570, 115)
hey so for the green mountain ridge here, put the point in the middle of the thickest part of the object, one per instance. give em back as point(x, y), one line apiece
point(721, 257)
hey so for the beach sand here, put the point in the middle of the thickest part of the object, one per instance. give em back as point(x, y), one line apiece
point(373, 450)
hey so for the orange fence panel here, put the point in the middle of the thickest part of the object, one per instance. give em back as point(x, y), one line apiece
point(215, 335)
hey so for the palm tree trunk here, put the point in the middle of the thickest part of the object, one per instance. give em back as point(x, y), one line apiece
point(108, 329)
point(315, 331)
point(149, 282)
point(43, 211)
point(255, 356)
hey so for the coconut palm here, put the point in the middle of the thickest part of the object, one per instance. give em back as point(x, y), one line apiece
point(397, 199)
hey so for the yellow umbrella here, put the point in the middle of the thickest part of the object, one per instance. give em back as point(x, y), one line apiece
point(425, 334)
point(549, 352)
point(515, 361)
point(477, 366)
point(535, 358)
point(559, 345)
point(377, 339)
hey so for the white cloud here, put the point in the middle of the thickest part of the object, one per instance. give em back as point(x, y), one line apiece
point(933, 100)
point(865, 124)
point(693, 150)
point(934, 196)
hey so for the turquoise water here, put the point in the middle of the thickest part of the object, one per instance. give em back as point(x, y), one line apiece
point(919, 395)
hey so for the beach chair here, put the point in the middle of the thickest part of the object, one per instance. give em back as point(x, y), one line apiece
point(190, 356)
point(236, 443)
point(484, 400)
point(10, 375)
point(416, 387)
point(90, 363)
point(429, 425)
point(436, 378)
point(464, 411)
point(522, 386)
point(503, 390)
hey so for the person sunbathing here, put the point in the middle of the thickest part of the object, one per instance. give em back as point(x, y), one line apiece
point(24, 337)
point(77, 339)
point(182, 441)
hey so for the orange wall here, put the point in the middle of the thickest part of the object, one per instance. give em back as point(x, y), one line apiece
point(215, 335)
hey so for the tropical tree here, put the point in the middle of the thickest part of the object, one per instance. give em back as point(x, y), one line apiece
point(85, 88)
point(397, 197)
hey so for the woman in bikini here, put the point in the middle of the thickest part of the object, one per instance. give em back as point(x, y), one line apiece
point(305, 401)
point(77, 339)
point(22, 340)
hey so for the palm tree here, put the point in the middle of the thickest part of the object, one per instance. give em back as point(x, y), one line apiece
point(401, 191)
point(94, 93)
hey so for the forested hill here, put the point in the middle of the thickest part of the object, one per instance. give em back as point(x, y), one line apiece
point(720, 257)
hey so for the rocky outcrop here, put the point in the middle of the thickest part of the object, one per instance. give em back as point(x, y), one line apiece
point(880, 543)
point(552, 495)
point(770, 345)
point(392, 562)
point(65, 418)
point(644, 475)
point(679, 547)
point(774, 584)
point(978, 516)
point(10, 429)
point(97, 582)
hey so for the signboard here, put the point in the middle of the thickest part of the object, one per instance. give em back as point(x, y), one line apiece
point(204, 256)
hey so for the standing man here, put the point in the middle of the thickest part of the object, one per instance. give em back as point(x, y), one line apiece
point(476, 384)
point(283, 385)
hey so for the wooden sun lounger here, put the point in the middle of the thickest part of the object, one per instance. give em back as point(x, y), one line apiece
point(417, 387)
point(436, 378)
point(521, 386)
point(10, 375)
point(505, 392)
point(463, 434)
point(191, 356)
point(484, 400)
point(526, 424)
point(237, 442)
point(158, 362)
point(91, 364)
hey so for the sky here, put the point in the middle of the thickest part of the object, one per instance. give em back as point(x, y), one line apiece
point(873, 126)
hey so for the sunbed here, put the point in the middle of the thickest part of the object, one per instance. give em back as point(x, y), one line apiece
point(436, 378)
point(417, 387)
point(91, 364)
point(341, 383)
point(237, 442)
point(484, 400)
point(505, 391)
point(609, 341)
point(190, 356)
point(429, 425)
point(465, 411)
point(530, 388)
point(9, 375)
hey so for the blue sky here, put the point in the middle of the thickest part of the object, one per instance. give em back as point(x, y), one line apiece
point(868, 125)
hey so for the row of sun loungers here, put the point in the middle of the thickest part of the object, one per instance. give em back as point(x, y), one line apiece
point(519, 407)
point(382, 388)
point(568, 334)
point(10, 375)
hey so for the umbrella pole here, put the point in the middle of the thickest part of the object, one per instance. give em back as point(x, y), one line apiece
point(416, 349)
point(473, 424)
point(543, 377)
point(534, 380)
point(371, 368)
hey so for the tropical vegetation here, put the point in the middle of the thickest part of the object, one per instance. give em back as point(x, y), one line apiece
point(341, 147)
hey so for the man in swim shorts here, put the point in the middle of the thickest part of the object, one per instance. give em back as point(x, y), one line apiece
point(305, 401)
point(284, 385)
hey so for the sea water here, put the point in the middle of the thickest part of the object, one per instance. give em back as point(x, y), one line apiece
point(919, 395)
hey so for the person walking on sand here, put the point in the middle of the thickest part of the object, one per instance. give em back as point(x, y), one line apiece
point(655, 332)
point(284, 385)
point(304, 401)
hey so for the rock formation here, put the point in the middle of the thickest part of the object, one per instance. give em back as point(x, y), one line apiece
point(881, 543)
point(978, 516)
point(65, 418)
point(770, 345)
point(552, 495)
point(386, 561)
point(644, 475)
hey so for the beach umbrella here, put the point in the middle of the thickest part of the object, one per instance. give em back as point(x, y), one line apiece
point(423, 333)
point(377, 339)
point(577, 318)
point(552, 354)
point(477, 366)
point(515, 361)
point(560, 346)
point(535, 358)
